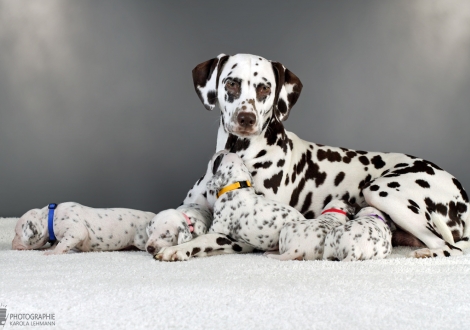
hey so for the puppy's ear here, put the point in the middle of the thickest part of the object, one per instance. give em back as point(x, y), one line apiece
point(184, 235)
point(206, 80)
point(288, 88)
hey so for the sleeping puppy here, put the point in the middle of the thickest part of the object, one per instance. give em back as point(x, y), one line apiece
point(80, 227)
point(305, 240)
point(366, 237)
point(176, 226)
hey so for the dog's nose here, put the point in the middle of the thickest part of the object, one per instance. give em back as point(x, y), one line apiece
point(150, 249)
point(246, 119)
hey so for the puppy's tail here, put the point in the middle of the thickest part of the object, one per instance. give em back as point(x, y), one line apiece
point(286, 256)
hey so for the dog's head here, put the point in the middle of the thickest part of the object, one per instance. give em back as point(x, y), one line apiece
point(167, 228)
point(227, 168)
point(249, 90)
point(31, 231)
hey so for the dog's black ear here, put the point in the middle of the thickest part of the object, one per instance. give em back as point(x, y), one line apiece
point(206, 80)
point(288, 88)
point(217, 162)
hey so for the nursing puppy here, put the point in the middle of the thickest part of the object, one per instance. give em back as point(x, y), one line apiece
point(176, 226)
point(366, 237)
point(83, 228)
point(305, 240)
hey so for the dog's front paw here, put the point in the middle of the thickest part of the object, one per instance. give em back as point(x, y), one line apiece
point(172, 254)
point(421, 253)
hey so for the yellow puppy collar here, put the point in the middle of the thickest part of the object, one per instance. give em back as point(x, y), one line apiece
point(233, 186)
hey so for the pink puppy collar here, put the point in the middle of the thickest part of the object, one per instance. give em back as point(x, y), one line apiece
point(188, 221)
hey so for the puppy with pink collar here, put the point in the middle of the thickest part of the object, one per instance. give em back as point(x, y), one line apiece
point(176, 226)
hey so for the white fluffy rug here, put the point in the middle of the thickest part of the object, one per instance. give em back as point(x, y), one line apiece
point(130, 290)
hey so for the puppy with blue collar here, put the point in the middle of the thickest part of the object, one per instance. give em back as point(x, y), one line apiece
point(73, 226)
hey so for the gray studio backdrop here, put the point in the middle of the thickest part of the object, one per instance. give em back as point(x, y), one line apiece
point(97, 103)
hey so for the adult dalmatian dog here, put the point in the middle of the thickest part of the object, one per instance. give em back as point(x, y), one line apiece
point(255, 96)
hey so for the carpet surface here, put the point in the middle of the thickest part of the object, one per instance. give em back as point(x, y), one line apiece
point(130, 290)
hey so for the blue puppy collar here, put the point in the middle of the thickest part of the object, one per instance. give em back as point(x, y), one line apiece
point(50, 223)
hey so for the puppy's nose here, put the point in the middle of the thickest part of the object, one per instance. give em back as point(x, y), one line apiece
point(150, 249)
point(246, 119)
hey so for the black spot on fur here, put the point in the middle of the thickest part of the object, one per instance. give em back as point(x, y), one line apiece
point(374, 187)
point(393, 184)
point(339, 178)
point(280, 163)
point(460, 188)
point(282, 106)
point(263, 165)
point(364, 160)
point(331, 156)
point(309, 215)
point(261, 153)
point(274, 182)
point(328, 199)
point(383, 194)
point(307, 203)
point(195, 250)
point(237, 248)
point(423, 183)
point(223, 241)
point(378, 162)
point(401, 165)
point(212, 97)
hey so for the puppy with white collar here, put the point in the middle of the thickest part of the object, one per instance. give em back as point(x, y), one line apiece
point(367, 236)
point(304, 240)
point(74, 226)
point(176, 226)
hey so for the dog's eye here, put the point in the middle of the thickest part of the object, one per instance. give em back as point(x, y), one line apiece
point(262, 91)
point(232, 85)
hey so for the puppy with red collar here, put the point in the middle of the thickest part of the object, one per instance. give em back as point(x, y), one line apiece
point(367, 236)
point(305, 240)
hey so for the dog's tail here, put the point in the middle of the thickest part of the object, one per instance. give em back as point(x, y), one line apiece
point(286, 256)
point(464, 242)
point(441, 226)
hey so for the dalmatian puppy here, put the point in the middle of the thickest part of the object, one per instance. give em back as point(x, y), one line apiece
point(366, 237)
point(176, 226)
point(80, 227)
point(305, 240)
point(246, 219)
point(255, 96)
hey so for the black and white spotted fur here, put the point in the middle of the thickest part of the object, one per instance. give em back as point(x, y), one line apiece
point(256, 95)
point(366, 237)
point(170, 227)
point(305, 240)
point(82, 228)
point(248, 220)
